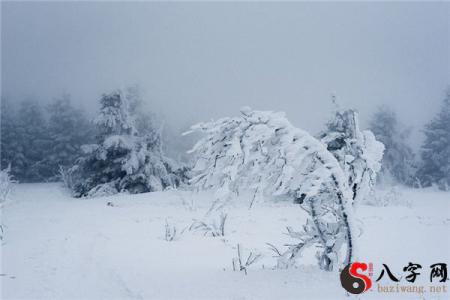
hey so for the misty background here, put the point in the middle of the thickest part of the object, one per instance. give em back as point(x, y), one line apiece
point(197, 61)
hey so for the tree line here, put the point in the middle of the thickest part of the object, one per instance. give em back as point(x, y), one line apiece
point(432, 164)
point(36, 140)
point(41, 143)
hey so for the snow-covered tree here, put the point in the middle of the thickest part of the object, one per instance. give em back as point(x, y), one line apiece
point(121, 160)
point(398, 159)
point(358, 152)
point(68, 129)
point(435, 167)
point(263, 152)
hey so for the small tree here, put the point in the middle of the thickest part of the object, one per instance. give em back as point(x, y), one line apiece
point(358, 152)
point(436, 149)
point(398, 159)
point(121, 160)
point(263, 152)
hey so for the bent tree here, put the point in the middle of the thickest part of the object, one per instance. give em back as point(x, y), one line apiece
point(262, 152)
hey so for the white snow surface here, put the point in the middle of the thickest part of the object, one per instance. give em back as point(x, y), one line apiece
point(58, 247)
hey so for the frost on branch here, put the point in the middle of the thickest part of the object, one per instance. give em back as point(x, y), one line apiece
point(263, 152)
point(358, 152)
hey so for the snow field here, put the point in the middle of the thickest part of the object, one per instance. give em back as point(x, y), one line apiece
point(58, 247)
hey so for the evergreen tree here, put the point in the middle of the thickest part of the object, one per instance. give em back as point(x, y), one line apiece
point(121, 160)
point(68, 129)
point(33, 143)
point(436, 149)
point(398, 159)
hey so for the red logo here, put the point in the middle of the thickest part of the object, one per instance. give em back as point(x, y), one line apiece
point(354, 281)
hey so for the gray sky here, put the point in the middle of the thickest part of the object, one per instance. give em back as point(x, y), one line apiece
point(199, 61)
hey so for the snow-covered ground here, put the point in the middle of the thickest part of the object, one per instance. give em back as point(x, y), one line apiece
point(58, 247)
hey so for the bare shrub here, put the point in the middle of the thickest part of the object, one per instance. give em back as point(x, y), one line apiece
point(171, 232)
point(239, 264)
point(214, 229)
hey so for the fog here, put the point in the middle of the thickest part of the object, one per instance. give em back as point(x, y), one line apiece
point(198, 61)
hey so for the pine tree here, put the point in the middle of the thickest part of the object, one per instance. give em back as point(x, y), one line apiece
point(358, 152)
point(398, 159)
point(68, 129)
point(33, 143)
point(436, 149)
point(121, 160)
point(262, 152)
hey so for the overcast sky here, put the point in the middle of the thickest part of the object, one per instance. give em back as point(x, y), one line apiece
point(199, 61)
